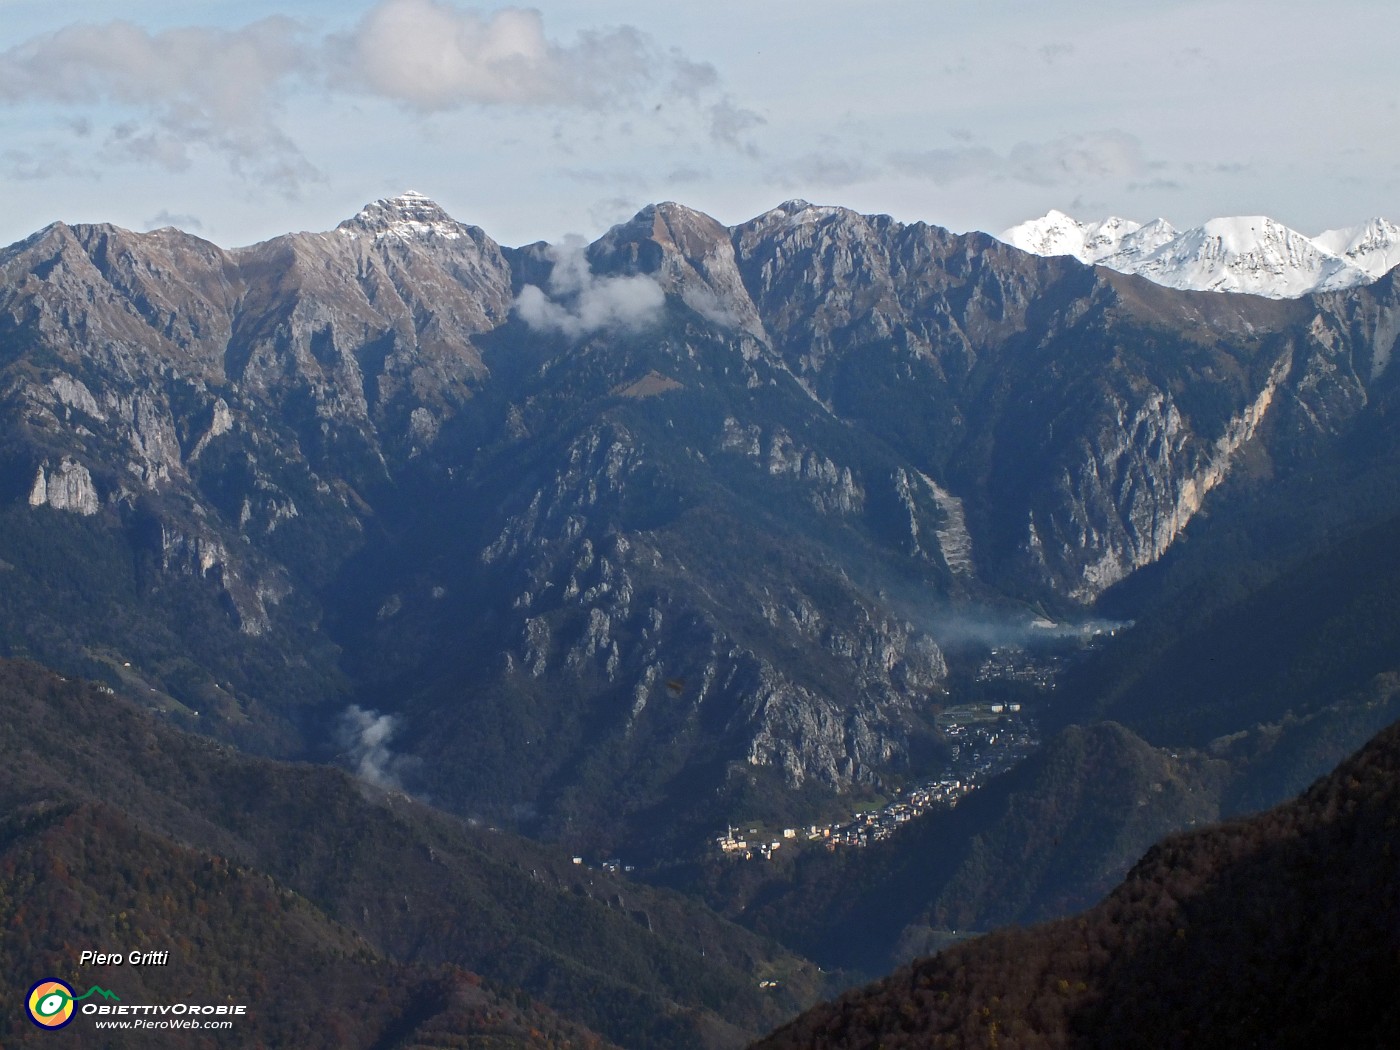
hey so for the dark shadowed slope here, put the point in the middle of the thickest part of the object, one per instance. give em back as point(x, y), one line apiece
point(1279, 931)
point(365, 871)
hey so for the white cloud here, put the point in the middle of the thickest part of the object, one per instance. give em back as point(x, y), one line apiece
point(365, 735)
point(165, 99)
point(729, 123)
point(44, 164)
point(610, 211)
point(180, 220)
point(431, 55)
point(220, 74)
point(1052, 53)
point(192, 88)
point(1107, 154)
point(825, 170)
point(578, 302)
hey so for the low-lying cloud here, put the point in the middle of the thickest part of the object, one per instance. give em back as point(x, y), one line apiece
point(365, 736)
point(577, 302)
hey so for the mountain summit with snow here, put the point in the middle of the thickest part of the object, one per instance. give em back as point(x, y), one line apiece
point(409, 215)
point(1251, 253)
point(1374, 246)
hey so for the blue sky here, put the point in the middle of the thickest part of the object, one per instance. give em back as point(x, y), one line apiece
point(241, 120)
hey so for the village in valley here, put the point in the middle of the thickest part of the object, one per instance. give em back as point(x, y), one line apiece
point(987, 739)
point(991, 730)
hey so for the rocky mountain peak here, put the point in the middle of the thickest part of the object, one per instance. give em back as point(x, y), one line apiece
point(409, 215)
point(691, 254)
point(800, 212)
point(238, 415)
point(676, 227)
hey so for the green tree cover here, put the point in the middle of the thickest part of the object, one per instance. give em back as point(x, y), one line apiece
point(1275, 931)
point(642, 967)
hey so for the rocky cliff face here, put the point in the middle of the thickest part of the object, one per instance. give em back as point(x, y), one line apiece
point(322, 356)
point(1140, 480)
point(643, 501)
point(67, 487)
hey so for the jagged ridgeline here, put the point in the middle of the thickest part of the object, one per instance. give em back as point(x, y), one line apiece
point(615, 541)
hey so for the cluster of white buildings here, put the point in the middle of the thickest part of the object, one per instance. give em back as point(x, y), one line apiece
point(861, 830)
point(979, 753)
point(751, 844)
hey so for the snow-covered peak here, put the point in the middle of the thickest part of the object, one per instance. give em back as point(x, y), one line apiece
point(1104, 238)
point(1139, 244)
point(1056, 233)
point(409, 215)
point(1249, 253)
point(1245, 253)
point(1374, 246)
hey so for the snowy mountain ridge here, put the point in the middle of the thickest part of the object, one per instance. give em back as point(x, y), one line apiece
point(1248, 253)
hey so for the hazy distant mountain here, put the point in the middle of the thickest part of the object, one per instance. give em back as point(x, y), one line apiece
point(1253, 254)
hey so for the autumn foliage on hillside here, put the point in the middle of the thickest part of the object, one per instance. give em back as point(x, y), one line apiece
point(1278, 931)
point(284, 885)
point(83, 875)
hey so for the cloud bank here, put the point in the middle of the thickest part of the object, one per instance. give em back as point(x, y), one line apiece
point(578, 303)
point(431, 55)
point(169, 95)
point(190, 88)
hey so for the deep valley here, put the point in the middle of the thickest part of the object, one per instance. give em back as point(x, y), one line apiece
point(635, 643)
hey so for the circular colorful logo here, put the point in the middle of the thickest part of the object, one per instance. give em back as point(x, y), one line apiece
point(51, 1003)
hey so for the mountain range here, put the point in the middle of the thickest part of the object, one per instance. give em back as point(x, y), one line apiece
point(1250, 253)
point(618, 544)
point(619, 541)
